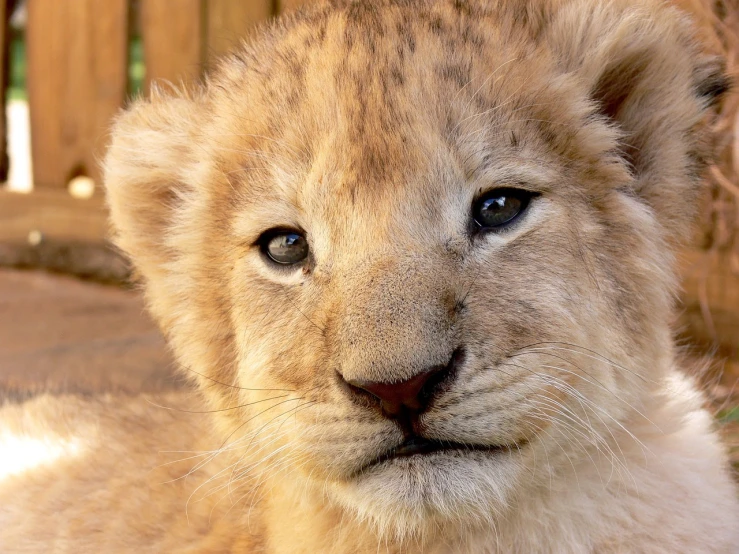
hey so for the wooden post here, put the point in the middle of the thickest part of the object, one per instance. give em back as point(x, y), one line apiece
point(173, 39)
point(77, 57)
point(229, 21)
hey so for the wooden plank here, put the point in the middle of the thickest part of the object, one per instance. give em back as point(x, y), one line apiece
point(173, 39)
point(77, 57)
point(287, 5)
point(50, 229)
point(54, 214)
point(228, 21)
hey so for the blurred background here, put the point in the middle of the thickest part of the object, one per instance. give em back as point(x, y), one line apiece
point(70, 320)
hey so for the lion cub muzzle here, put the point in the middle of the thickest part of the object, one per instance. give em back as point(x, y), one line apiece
point(395, 353)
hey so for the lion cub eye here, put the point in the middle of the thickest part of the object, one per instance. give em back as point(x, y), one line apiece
point(498, 207)
point(284, 247)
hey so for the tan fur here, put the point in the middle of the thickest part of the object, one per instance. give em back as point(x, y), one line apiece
point(373, 126)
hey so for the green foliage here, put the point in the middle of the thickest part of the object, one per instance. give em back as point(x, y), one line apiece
point(17, 69)
point(729, 415)
point(136, 67)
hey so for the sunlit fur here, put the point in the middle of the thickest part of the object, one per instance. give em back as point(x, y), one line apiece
point(373, 127)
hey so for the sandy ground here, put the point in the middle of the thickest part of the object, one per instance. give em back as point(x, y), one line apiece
point(59, 334)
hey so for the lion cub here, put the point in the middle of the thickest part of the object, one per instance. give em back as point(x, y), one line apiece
point(418, 259)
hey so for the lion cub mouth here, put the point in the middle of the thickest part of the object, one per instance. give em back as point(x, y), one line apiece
point(420, 446)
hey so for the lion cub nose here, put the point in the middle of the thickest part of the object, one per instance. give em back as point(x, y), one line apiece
point(410, 396)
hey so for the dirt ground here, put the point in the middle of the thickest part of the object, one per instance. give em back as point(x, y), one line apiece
point(59, 334)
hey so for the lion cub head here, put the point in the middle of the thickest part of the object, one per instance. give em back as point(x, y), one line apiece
point(419, 254)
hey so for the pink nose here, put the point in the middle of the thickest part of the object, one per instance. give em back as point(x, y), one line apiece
point(395, 397)
point(410, 396)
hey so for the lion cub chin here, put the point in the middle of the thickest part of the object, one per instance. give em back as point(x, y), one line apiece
point(417, 258)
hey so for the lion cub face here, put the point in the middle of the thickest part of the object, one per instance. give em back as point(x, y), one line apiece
point(418, 254)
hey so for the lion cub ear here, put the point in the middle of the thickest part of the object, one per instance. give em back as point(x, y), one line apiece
point(644, 71)
point(147, 170)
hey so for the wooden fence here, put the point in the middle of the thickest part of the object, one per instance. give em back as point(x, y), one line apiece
point(77, 79)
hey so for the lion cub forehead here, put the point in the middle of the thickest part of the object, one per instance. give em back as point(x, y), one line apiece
point(381, 81)
point(364, 105)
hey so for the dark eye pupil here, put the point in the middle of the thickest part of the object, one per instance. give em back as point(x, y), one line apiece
point(498, 207)
point(286, 248)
